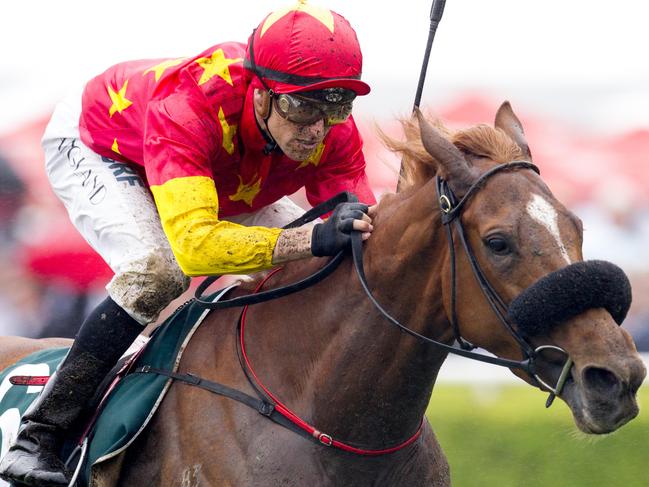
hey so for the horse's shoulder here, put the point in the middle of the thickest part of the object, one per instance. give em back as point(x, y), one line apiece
point(13, 348)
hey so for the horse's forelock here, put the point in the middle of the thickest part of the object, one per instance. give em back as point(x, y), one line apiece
point(419, 166)
point(483, 140)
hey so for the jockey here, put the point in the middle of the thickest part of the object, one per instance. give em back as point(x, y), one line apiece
point(180, 167)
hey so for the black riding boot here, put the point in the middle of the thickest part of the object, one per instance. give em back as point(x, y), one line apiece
point(33, 459)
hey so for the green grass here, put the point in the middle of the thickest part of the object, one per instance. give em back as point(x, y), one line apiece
point(503, 436)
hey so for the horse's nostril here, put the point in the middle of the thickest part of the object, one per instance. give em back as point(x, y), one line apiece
point(601, 380)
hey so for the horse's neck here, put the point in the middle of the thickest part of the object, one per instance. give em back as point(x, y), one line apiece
point(337, 360)
point(403, 263)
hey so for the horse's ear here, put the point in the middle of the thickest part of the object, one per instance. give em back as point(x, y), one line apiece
point(508, 122)
point(452, 164)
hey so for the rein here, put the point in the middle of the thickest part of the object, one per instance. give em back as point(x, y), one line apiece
point(317, 276)
point(323, 438)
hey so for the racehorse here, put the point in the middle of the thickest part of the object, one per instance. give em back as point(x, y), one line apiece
point(333, 358)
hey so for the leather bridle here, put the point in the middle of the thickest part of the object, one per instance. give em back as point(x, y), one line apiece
point(451, 210)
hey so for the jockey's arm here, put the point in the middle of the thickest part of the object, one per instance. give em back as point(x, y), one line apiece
point(324, 239)
point(202, 243)
point(205, 245)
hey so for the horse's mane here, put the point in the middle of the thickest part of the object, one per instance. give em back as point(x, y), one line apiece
point(479, 140)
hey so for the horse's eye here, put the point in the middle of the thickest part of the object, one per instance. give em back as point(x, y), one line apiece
point(498, 245)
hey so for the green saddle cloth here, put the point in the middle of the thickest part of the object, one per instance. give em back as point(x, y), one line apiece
point(14, 400)
point(131, 404)
point(136, 397)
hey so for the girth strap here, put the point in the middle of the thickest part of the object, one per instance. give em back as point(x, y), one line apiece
point(264, 408)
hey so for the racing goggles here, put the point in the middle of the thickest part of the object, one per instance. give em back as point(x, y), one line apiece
point(333, 105)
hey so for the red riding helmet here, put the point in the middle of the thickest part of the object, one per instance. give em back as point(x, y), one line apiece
point(305, 48)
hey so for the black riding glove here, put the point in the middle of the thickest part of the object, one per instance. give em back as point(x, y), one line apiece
point(334, 235)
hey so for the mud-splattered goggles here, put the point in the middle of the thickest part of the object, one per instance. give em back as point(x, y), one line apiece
point(332, 105)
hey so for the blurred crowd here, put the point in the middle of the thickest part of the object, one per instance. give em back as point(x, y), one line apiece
point(39, 293)
point(50, 278)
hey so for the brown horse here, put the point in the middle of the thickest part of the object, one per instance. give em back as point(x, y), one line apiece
point(329, 355)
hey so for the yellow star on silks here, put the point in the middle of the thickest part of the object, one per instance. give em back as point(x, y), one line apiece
point(120, 102)
point(216, 65)
point(314, 158)
point(115, 147)
point(322, 14)
point(158, 69)
point(228, 132)
point(247, 192)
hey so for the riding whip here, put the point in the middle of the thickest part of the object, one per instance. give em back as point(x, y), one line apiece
point(436, 11)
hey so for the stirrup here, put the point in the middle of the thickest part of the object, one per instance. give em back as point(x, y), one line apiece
point(79, 454)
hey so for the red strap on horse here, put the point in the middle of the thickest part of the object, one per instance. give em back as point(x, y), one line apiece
point(323, 438)
point(29, 380)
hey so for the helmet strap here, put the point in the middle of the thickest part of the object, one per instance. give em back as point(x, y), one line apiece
point(271, 143)
point(264, 109)
point(264, 114)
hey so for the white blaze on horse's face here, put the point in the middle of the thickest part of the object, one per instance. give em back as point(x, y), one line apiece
point(544, 213)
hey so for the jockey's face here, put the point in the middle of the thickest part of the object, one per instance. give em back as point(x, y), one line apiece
point(297, 141)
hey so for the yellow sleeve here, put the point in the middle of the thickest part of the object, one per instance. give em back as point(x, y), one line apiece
point(203, 244)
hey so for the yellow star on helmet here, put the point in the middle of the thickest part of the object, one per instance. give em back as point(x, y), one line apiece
point(216, 65)
point(322, 14)
point(247, 192)
point(158, 69)
point(120, 102)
